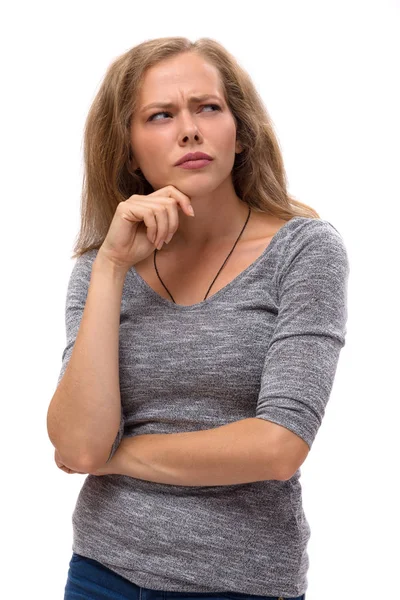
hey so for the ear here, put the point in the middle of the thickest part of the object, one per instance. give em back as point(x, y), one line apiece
point(238, 148)
point(133, 166)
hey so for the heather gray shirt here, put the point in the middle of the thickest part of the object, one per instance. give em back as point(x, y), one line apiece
point(266, 345)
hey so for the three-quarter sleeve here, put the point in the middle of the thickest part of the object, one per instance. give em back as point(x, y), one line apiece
point(77, 291)
point(309, 333)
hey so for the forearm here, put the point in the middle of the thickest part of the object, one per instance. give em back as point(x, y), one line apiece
point(236, 453)
point(84, 414)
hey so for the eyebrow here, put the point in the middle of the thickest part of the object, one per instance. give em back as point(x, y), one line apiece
point(171, 104)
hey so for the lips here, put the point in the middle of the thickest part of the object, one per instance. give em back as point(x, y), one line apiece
point(193, 156)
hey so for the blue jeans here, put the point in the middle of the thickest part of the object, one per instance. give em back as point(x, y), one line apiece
point(90, 580)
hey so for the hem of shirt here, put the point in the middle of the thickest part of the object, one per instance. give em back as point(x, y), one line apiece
point(150, 581)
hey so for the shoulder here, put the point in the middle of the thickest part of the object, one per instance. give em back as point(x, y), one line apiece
point(85, 261)
point(313, 234)
point(307, 228)
point(82, 270)
point(313, 245)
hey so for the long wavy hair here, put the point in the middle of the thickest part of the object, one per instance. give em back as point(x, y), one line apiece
point(258, 173)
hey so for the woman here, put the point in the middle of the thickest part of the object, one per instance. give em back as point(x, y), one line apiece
point(200, 349)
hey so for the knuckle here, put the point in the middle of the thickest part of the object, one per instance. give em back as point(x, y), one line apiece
point(173, 192)
point(130, 199)
point(121, 205)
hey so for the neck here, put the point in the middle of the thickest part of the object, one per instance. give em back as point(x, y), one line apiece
point(211, 225)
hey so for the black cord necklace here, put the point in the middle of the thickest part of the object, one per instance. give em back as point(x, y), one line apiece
point(240, 234)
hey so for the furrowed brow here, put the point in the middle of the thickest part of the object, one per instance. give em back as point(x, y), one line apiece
point(192, 99)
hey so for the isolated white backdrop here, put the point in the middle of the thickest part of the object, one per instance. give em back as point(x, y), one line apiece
point(328, 74)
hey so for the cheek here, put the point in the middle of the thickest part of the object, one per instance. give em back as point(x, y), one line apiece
point(157, 144)
point(150, 153)
point(226, 137)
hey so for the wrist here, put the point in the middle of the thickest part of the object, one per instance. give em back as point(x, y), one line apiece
point(114, 466)
point(105, 265)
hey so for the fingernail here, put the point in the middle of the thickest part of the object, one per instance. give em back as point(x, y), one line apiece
point(190, 208)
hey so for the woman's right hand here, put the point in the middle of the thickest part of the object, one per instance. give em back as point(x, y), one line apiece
point(143, 223)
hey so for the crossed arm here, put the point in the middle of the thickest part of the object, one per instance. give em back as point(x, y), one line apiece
point(244, 451)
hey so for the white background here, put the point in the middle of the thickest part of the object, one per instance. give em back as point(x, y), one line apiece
point(328, 73)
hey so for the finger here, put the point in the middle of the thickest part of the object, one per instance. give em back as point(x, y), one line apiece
point(162, 218)
point(155, 217)
point(142, 211)
point(173, 221)
point(182, 199)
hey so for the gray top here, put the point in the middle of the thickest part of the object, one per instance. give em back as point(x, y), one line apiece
point(266, 345)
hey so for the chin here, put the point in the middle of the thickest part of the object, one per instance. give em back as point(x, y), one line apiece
point(197, 188)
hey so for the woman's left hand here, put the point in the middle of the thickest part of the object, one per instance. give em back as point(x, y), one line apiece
point(104, 470)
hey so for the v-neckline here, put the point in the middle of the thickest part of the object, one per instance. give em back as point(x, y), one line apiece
point(220, 292)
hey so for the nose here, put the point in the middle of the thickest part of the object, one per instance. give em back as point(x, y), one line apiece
point(188, 137)
point(189, 129)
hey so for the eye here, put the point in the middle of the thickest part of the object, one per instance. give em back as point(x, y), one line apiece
point(151, 118)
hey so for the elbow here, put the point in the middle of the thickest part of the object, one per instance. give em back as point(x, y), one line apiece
point(289, 465)
point(81, 463)
point(77, 458)
point(71, 457)
point(284, 475)
point(282, 471)
point(94, 463)
point(75, 464)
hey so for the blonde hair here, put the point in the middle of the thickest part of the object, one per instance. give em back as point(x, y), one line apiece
point(258, 173)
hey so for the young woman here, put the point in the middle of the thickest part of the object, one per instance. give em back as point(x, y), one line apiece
point(205, 316)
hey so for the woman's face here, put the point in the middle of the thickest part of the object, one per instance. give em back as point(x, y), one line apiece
point(160, 136)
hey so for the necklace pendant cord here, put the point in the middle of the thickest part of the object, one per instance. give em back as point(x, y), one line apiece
point(240, 234)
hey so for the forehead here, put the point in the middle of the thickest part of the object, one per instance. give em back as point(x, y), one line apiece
point(178, 78)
